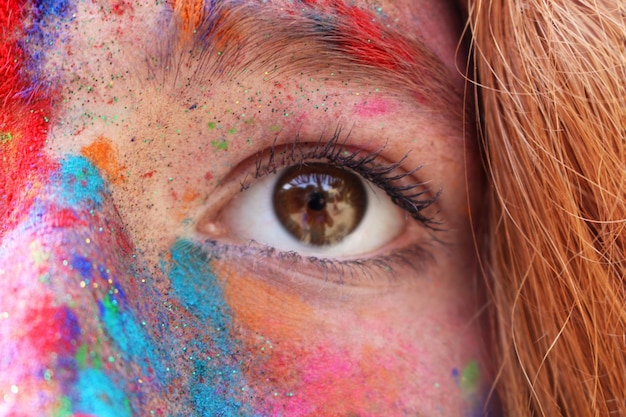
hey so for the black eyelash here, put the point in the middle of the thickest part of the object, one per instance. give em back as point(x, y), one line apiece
point(415, 257)
point(410, 198)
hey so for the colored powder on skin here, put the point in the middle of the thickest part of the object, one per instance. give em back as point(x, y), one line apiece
point(216, 384)
point(362, 36)
point(373, 107)
point(104, 157)
point(26, 111)
point(5, 137)
point(60, 362)
point(43, 32)
point(243, 292)
point(64, 409)
point(82, 265)
point(129, 336)
point(190, 14)
point(52, 330)
point(220, 144)
point(204, 395)
point(198, 289)
point(81, 356)
point(98, 395)
point(470, 378)
point(79, 183)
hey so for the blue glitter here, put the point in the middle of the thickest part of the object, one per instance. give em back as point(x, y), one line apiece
point(199, 291)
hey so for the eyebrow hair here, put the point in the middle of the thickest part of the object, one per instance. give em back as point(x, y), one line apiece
point(338, 41)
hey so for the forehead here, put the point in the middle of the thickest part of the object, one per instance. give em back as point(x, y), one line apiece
point(377, 33)
point(54, 49)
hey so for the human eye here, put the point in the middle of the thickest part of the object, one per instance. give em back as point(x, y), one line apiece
point(325, 207)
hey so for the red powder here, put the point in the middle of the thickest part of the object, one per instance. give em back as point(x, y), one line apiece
point(24, 122)
point(364, 37)
point(50, 329)
point(373, 107)
point(369, 42)
point(64, 218)
point(119, 7)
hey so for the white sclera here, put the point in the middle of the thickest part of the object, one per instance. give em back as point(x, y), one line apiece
point(250, 216)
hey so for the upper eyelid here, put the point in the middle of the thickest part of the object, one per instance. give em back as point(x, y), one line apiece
point(399, 184)
point(365, 163)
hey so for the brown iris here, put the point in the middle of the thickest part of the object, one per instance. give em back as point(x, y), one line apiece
point(319, 204)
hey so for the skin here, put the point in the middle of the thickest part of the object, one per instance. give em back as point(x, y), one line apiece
point(117, 301)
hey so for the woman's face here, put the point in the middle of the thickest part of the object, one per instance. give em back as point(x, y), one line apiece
point(237, 209)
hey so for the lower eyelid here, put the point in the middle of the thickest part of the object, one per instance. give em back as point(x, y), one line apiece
point(369, 275)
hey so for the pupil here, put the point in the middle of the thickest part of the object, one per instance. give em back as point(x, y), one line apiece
point(319, 204)
point(317, 201)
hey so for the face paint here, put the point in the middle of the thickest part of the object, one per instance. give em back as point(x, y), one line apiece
point(65, 280)
point(119, 306)
point(103, 156)
point(27, 107)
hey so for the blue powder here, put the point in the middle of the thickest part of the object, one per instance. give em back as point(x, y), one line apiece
point(82, 265)
point(96, 394)
point(47, 21)
point(79, 183)
point(53, 8)
point(215, 390)
point(208, 402)
point(199, 291)
point(69, 321)
point(456, 375)
point(129, 336)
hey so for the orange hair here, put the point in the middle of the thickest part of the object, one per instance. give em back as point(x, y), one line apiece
point(550, 79)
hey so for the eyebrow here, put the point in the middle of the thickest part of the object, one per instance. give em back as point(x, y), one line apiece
point(329, 39)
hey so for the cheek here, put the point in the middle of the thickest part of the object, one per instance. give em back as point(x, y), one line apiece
point(194, 337)
point(315, 360)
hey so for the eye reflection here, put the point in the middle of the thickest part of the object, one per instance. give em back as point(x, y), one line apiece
point(319, 204)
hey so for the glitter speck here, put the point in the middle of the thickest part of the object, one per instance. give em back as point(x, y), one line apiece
point(14, 389)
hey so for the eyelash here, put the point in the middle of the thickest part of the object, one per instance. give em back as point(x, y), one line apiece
point(409, 197)
point(334, 152)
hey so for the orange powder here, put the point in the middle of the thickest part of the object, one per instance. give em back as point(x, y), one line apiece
point(262, 308)
point(102, 154)
point(190, 13)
